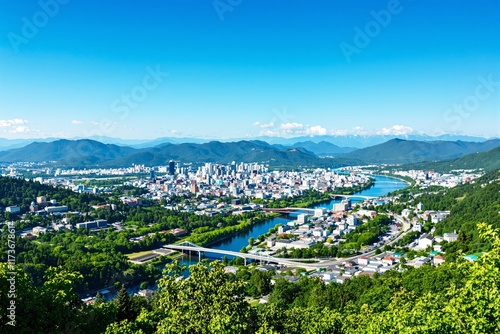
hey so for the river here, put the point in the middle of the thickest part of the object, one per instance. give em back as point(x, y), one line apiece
point(383, 185)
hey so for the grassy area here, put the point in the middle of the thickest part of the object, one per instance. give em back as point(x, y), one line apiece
point(175, 255)
point(138, 254)
point(254, 303)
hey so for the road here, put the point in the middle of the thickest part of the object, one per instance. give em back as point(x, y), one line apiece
point(337, 261)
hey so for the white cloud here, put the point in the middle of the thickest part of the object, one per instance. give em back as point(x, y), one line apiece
point(289, 127)
point(76, 122)
point(339, 132)
point(8, 123)
point(397, 130)
point(316, 131)
point(292, 129)
point(21, 129)
point(264, 125)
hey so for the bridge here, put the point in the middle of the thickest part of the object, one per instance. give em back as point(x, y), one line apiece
point(288, 210)
point(335, 196)
point(189, 246)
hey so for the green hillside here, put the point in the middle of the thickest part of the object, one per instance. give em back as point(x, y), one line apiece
point(77, 153)
point(398, 151)
point(469, 204)
point(488, 161)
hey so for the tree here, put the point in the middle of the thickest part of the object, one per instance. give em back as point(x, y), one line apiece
point(251, 241)
point(124, 306)
point(283, 294)
point(208, 301)
point(259, 284)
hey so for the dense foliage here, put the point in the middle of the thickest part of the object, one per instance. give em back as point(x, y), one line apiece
point(456, 297)
point(462, 297)
point(488, 161)
point(21, 193)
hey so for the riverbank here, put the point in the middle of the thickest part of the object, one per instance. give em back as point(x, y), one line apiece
point(269, 215)
point(405, 179)
point(214, 236)
point(381, 186)
point(313, 197)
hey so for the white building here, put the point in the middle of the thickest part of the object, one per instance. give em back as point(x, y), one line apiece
point(302, 218)
point(425, 242)
point(13, 209)
point(352, 221)
point(319, 212)
point(52, 209)
point(406, 213)
point(39, 230)
point(450, 237)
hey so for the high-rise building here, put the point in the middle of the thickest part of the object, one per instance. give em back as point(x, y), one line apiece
point(171, 167)
point(194, 187)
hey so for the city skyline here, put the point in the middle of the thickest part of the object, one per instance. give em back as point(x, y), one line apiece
point(236, 69)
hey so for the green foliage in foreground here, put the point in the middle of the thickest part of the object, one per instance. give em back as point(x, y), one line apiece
point(461, 297)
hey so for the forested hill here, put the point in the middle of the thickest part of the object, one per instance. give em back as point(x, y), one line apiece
point(399, 151)
point(21, 193)
point(488, 161)
point(469, 204)
point(87, 152)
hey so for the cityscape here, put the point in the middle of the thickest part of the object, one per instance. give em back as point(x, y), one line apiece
point(249, 167)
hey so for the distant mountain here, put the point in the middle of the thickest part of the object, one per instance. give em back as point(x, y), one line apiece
point(489, 161)
point(7, 144)
point(399, 151)
point(362, 141)
point(217, 152)
point(323, 148)
point(355, 141)
point(87, 152)
point(70, 152)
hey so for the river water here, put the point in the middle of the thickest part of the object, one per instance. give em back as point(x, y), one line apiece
point(383, 185)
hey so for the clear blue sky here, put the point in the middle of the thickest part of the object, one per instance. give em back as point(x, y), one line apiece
point(248, 68)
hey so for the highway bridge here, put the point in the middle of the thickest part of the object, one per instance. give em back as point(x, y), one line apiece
point(190, 247)
point(289, 210)
point(335, 196)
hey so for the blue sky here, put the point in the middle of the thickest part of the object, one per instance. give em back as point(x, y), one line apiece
point(233, 69)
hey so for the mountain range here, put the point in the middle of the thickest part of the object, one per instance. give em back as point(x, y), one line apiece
point(349, 141)
point(397, 151)
point(489, 161)
point(86, 152)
